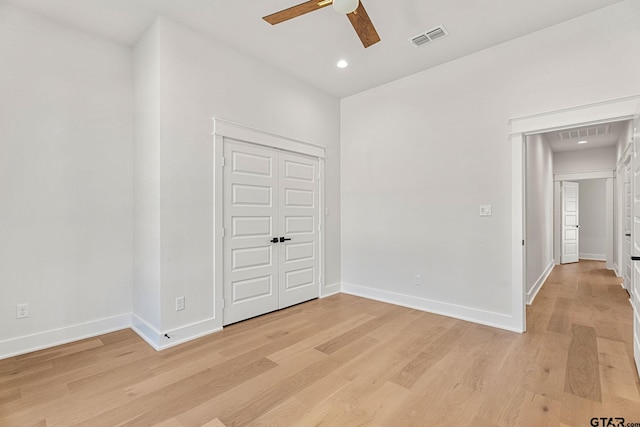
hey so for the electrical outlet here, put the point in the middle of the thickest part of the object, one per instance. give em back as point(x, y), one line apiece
point(485, 210)
point(418, 280)
point(22, 311)
point(179, 303)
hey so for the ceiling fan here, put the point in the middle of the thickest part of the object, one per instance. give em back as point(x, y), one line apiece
point(352, 8)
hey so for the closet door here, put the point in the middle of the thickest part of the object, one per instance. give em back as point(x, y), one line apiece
point(298, 224)
point(250, 222)
point(271, 216)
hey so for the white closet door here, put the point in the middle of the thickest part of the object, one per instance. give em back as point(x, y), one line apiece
point(250, 221)
point(271, 216)
point(298, 221)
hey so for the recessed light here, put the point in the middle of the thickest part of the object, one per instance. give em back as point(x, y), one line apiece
point(582, 142)
point(342, 64)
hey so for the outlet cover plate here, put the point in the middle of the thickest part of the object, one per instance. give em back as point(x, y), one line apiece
point(485, 210)
point(22, 311)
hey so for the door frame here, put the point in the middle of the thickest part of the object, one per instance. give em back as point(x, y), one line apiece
point(520, 127)
point(227, 130)
point(621, 172)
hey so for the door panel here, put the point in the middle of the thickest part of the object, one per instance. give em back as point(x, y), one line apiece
point(299, 271)
point(570, 224)
point(299, 225)
point(250, 212)
point(299, 251)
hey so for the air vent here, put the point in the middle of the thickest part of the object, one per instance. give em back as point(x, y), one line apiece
point(428, 36)
point(584, 132)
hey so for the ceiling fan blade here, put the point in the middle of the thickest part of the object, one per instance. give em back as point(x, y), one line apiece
point(363, 26)
point(295, 11)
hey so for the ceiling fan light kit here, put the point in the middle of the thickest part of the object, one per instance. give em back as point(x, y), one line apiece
point(345, 6)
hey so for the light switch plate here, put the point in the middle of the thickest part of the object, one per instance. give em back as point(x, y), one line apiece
point(485, 210)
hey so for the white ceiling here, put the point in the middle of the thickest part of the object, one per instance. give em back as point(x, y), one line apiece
point(308, 47)
point(608, 139)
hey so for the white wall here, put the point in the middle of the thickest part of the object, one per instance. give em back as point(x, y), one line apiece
point(590, 160)
point(65, 182)
point(146, 182)
point(201, 78)
point(420, 154)
point(539, 211)
point(592, 208)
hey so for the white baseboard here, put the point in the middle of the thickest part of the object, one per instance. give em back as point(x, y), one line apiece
point(637, 351)
point(29, 343)
point(146, 331)
point(329, 290)
point(592, 257)
point(531, 294)
point(483, 317)
point(162, 340)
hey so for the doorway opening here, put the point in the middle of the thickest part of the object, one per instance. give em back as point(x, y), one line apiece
point(602, 113)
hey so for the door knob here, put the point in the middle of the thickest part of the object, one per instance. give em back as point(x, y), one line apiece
point(577, 226)
point(282, 239)
point(274, 240)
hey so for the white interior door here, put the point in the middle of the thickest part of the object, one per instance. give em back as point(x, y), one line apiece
point(298, 220)
point(570, 225)
point(271, 242)
point(634, 289)
point(250, 221)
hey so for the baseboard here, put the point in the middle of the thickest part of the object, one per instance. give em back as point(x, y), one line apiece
point(488, 318)
point(592, 257)
point(171, 338)
point(41, 340)
point(616, 270)
point(531, 294)
point(329, 290)
point(637, 353)
point(146, 331)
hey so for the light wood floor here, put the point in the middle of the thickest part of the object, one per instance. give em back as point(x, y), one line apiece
point(348, 361)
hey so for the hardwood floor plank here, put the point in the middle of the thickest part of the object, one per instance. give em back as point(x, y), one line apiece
point(243, 394)
point(540, 410)
point(172, 399)
point(582, 372)
point(284, 414)
point(425, 359)
point(350, 336)
point(9, 394)
point(614, 371)
point(578, 411)
point(290, 386)
point(559, 320)
point(321, 337)
point(548, 370)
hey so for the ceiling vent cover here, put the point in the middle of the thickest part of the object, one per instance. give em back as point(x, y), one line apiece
point(584, 132)
point(429, 36)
